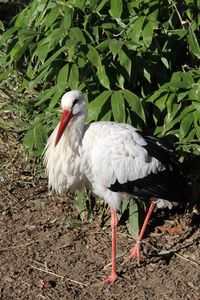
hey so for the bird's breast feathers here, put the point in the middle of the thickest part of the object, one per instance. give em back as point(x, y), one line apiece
point(63, 164)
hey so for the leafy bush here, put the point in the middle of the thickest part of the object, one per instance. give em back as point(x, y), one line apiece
point(136, 62)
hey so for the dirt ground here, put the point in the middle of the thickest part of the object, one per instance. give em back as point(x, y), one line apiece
point(47, 254)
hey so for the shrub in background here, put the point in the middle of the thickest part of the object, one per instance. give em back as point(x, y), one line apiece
point(135, 61)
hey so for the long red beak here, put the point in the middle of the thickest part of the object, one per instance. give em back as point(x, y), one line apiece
point(65, 119)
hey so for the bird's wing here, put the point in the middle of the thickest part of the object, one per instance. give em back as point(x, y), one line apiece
point(116, 152)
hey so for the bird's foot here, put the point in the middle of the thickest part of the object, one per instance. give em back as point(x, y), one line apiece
point(111, 279)
point(134, 252)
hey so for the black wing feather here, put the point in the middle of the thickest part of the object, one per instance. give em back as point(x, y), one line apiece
point(157, 149)
point(168, 185)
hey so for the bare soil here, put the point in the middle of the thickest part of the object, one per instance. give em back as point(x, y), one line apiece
point(46, 253)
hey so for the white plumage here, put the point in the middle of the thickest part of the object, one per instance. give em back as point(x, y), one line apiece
point(97, 155)
point(110, 159)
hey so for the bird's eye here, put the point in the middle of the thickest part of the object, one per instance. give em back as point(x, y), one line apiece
point(75, 102)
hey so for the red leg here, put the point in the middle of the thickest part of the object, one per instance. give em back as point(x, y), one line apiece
point(113, 276)
point(114, 220)
point(136, 249)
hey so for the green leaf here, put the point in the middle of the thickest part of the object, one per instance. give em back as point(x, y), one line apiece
point(73, 80)
point(165, 62)
point(118, 107)
point(62, 78)
point(76, 35)
point(185, 125)
point(134, 103)
point(115, 46)
point(178, 85)
point(181, 96)
point(7, 34)
point(147, 33)
point(107, 116)
point(89, 202)
point(147, 75)
point(67, 19)
point(71, 51)
point(52, 16)
point(95, 107)
point(133, 220)
point(103, 78)
point(179, 32)
point(169, 126)
point(94, 57)
point(136, 29)
point(156, 95)
point(188, 78)
point(77, 3)
point(80, 204)
point(170, 102)
point(41, 7)
point(42, 51)
point(124, 205)
point(176, 77)
point(116, 8)
point(197, 124)
point(101, 5)
point(160, 102)
point(193, 44)
point(196, 105)
point(194, 93)
point(125, 61)
point(18, 50)
point(2, 26)
point(54, 38)
point(103, 45)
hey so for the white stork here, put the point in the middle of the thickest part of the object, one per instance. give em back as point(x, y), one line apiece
point(112, 160)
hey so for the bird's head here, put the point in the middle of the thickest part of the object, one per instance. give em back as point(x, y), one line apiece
point(73, 105)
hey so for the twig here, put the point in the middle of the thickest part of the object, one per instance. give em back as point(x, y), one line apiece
point(43, 297)
point(57, 275)
point(24, 282)
point(179, 15)
point(47, 271)
point(187, 259)
point(75, 281)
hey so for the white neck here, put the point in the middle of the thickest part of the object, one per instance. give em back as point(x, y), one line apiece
point(73, 135)
point(63, 160)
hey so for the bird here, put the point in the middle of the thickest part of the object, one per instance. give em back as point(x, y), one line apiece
point(112, 160)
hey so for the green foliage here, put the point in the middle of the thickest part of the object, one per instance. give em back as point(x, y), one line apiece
point(136, 62)
point(176, 109)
